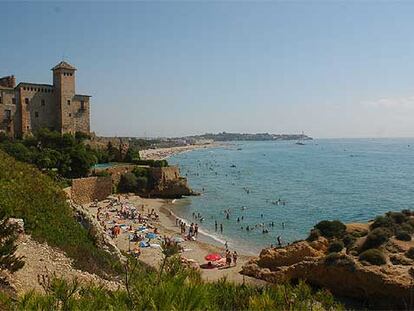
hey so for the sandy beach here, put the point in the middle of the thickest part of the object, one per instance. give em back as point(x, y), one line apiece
point(193, 250)
point(164, 153)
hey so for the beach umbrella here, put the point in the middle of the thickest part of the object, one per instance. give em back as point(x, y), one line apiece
point(150, 235)
point(213, 257)
point(143, 244)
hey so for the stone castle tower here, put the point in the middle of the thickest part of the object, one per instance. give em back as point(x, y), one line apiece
point(29, 106)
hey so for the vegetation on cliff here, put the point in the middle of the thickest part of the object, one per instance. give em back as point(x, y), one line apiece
point(28, 194)
point(175, 287)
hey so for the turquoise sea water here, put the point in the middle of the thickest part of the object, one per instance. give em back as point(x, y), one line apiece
point(350, 180)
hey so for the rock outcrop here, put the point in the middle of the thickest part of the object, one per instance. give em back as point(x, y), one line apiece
point(102, 239)
point(386, 286)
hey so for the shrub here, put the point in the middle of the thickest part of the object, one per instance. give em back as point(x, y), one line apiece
point(330, 229)
point(336, 246)
point(132, 155)
point(403, 236)
point(373, 256)
point(349, 240)
point(410, 253)
point(142, 183)
point(382, 222)
point(338, 259)
point(128, 183)
point(314, 235)
point(397, 217)
point(376, 238)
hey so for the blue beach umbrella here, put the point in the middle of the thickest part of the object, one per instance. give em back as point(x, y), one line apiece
point(151, 235)
point(143, 244)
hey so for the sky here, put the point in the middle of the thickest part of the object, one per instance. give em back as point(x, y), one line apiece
point(328, 68)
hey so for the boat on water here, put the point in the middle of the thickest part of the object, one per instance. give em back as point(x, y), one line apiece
point(300, 140)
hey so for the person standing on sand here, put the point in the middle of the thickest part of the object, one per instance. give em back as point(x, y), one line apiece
point(226, 246)
point(215, 224)
point(196, 230)
point(228, 258)
point(279, 241)
point(235, 258)
point(221, 228)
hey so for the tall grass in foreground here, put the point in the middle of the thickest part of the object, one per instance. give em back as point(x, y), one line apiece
point(178, 288)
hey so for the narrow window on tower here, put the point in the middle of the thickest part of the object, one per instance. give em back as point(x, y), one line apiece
point(82, 105)
point(26, 101)
point(68, 102)
point(36, 114)
point(1, 100)
point(70, 115)
point(43, 102)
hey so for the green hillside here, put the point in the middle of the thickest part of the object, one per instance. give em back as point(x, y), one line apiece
point(27, 193)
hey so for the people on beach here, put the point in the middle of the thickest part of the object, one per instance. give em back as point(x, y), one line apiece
point(235, 255)
point(279, 241)
point(215, 225)
point(196, 230)
point(221, 228)
point(228, 258)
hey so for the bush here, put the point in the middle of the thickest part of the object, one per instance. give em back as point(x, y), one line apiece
point(373, 256)
point(403, 236)
point(376, 238)
point(335, 246)
point(339, 260)
point(314, 235)
point(330, 229)
point(142, 183)
point(382, 222)
point(397, 217)
point(410, 253)
point(102, 173)
point(132, 155)
point(128, 183)
point(349, 240)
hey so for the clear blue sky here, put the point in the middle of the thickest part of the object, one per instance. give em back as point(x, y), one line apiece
point(331, 69)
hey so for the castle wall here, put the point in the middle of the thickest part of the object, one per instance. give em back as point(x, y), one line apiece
point(7, 110)
point(85, 190)
point(9, 81)
point(33, 106)
point(37, 108)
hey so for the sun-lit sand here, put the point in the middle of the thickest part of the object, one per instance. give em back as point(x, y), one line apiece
point(164, 153)
point(194, 250)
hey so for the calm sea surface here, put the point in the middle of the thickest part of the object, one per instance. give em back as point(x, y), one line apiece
point(350, 180)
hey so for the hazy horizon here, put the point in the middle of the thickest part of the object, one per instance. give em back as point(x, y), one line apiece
point(169, 69)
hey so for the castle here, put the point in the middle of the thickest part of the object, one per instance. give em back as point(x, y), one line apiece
point(26, 107)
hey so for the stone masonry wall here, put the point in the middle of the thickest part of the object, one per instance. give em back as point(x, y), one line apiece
point(117, 171)
point(85, 190)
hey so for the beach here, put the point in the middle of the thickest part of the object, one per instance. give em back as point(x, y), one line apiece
point(193, 250)
point(164, 153)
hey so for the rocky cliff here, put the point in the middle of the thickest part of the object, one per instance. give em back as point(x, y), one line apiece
point(345, 272)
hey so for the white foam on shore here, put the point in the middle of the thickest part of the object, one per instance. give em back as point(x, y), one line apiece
point(201, 231)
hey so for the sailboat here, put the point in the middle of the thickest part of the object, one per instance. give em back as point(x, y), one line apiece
point(300, 140)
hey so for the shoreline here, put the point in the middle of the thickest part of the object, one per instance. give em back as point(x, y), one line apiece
point(193, 250)
point(165, 153)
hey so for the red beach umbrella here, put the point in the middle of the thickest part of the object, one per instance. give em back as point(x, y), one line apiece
point(213, 257)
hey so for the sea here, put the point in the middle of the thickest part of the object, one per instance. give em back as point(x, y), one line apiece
point(284, 188)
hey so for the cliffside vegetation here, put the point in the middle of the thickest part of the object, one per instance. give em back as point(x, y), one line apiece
point(368, 245)
point(28, 194)
point(174, 288)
